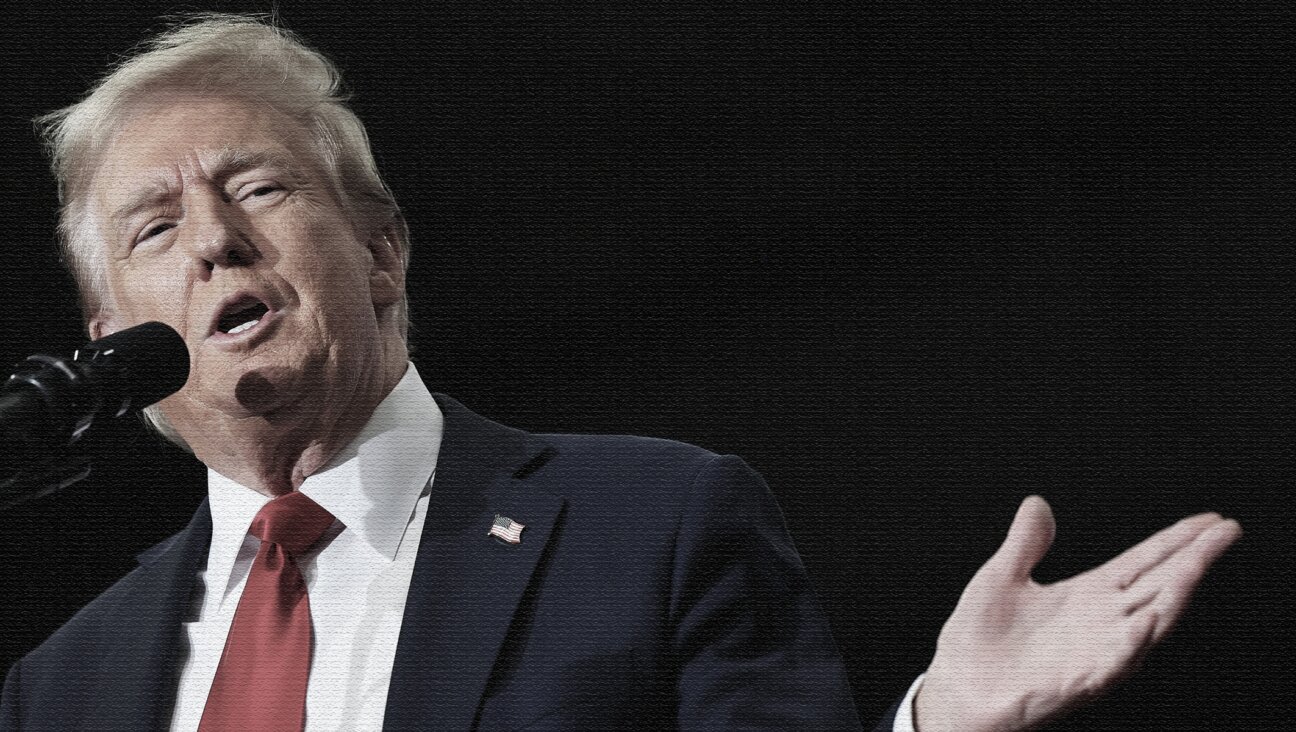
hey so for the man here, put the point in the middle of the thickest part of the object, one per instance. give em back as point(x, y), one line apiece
point(456, 573)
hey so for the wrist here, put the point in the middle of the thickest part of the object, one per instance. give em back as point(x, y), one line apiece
point(944, 704)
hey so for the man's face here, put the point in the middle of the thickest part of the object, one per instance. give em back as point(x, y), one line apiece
point(219, 220)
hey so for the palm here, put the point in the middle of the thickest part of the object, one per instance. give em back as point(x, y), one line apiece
point(1016, 653)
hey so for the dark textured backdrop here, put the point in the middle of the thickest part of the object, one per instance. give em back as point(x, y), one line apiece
point(912, 265)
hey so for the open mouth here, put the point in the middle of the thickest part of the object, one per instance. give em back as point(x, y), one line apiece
point(241, 316)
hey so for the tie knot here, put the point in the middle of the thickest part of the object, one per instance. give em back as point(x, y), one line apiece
point(292, 521)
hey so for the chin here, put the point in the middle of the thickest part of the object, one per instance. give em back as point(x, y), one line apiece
point(264, 390)
point(268, 390)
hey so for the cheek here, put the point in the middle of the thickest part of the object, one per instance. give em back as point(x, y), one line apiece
point(150, 292)
point(333, 272)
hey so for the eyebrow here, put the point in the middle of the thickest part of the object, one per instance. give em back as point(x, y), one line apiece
point(153, 194)
point(224, 164)
point(230, 161)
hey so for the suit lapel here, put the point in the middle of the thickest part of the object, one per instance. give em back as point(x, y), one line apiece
point(143, 633)
point(466, 586)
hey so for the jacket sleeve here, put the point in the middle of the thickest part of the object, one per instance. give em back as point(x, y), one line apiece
point(9, 717)
point(753, 647)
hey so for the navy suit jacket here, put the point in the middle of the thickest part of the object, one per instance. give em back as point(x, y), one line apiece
point(655, 586)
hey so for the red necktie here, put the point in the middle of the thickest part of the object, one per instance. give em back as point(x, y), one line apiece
point(261, 681)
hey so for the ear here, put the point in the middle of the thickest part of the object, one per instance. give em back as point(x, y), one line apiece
point(386, 273)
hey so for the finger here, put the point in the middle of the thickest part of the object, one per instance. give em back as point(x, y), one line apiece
point(1152, 551)
point(1029, 539)
point(1158, 579)
point(1171, 584)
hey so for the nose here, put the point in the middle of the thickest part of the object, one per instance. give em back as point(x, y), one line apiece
point(218, 233)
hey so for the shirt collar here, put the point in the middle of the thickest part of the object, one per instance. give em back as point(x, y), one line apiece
point(371, 486)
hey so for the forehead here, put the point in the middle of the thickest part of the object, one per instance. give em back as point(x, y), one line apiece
point(163, 142)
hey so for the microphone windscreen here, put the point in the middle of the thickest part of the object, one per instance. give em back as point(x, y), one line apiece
point(148, 362)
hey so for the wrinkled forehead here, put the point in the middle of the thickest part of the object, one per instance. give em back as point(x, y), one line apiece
point(124, 190)
point(191, 136)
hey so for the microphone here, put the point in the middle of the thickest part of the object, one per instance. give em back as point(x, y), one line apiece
point(49, 404)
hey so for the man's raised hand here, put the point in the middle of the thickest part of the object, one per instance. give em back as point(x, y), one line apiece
point(1015, 654)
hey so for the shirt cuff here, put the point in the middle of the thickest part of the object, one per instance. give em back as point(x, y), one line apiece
point(904, 718)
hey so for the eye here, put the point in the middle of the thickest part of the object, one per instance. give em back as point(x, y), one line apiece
point(259, 191)
point(153, 230)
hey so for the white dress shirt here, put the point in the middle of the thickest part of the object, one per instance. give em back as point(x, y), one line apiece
point(377, 489)
point(904, 719)
point(357, 579)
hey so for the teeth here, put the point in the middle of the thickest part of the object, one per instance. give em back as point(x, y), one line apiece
point(246, 326)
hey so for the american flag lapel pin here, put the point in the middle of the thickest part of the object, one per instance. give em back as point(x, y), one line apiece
point(506, 529)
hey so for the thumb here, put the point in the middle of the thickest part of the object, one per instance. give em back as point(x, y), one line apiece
point(1029, 539)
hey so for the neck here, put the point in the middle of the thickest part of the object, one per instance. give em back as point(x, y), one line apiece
point(274, 453)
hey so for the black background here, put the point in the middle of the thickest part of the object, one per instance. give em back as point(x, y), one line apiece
point(913, 265)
